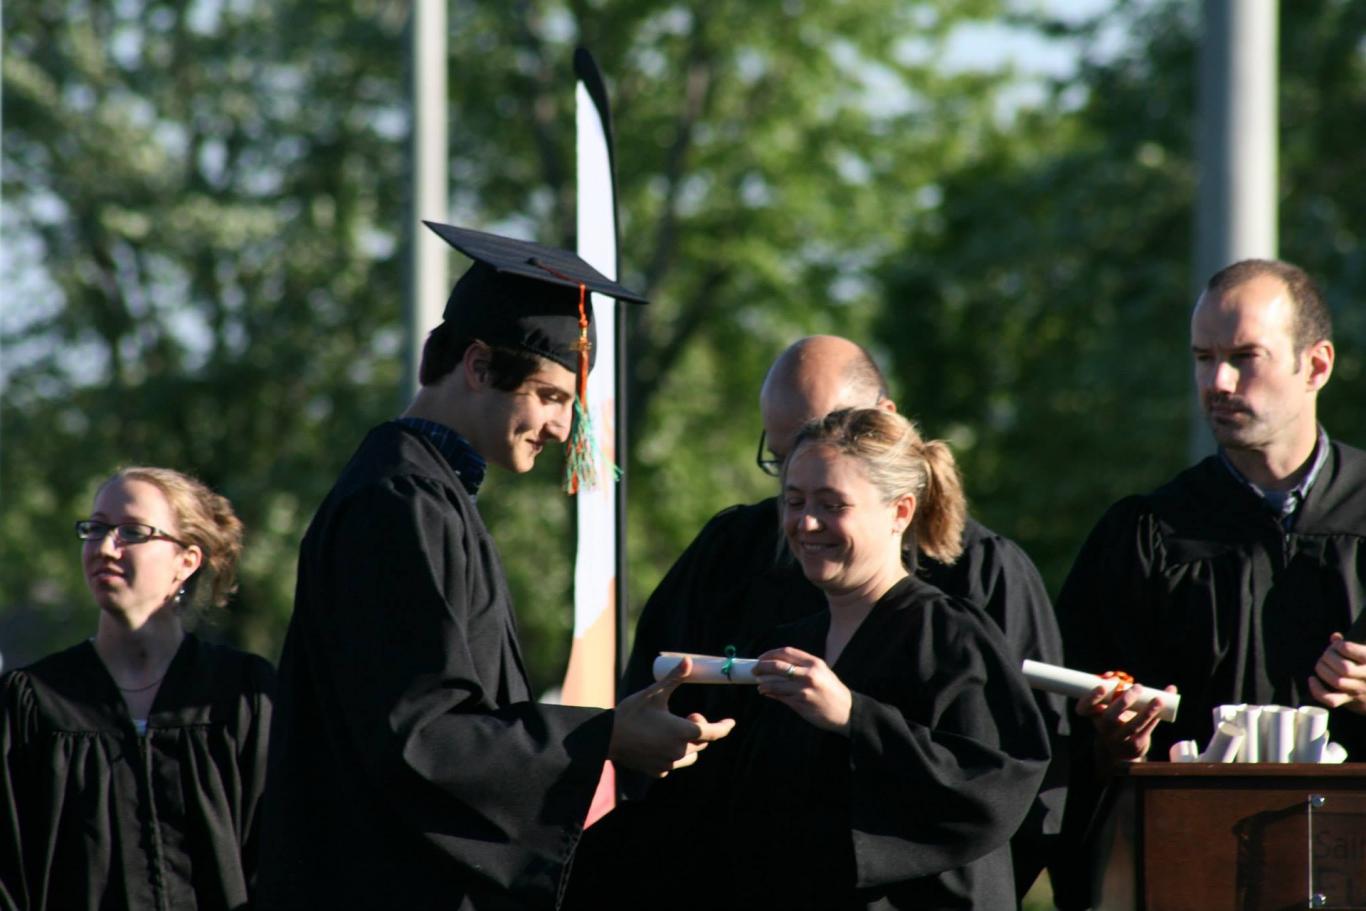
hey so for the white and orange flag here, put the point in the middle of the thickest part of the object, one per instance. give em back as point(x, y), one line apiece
point(592, 675)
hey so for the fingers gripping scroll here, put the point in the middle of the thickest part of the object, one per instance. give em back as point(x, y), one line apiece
point(806, 684)
point(649, 738)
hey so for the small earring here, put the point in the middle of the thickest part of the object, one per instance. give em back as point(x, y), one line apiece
point(180, 596)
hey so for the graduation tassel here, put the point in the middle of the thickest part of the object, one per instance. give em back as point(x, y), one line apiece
point(582, 454)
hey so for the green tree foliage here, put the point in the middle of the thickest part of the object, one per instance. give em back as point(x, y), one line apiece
point(204, 210)
point(194, 185)
point(210, 196)
point(1038, 315)
point(766, 154)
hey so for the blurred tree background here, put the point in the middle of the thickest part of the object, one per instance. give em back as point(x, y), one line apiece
point(203, 268)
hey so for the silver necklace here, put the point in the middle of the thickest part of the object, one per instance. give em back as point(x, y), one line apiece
point(139, 689)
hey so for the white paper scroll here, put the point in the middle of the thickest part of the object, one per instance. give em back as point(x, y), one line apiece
point(1224, 713)
point(1228, 740)
point(707, 668)
point(1276, 734)
point(1311, 733)
point(1249, 718)
point(1184, 751)
point(1316, 750)
point(1079, 684)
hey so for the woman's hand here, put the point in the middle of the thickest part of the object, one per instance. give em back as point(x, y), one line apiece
point(805, 684)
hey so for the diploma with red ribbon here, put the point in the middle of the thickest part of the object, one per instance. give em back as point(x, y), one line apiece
point(1079, 684)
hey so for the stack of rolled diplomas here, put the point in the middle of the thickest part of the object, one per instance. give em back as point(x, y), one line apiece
point(1265, 733)
point(1242, 733)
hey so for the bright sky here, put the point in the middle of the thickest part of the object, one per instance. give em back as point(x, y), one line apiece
point(987, 45)
point(29, 294)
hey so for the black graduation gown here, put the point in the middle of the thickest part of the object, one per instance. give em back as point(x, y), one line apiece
point(1198, 584)
point(410, 767)
point(97, 817)
point(914, 809)
point(736, 582)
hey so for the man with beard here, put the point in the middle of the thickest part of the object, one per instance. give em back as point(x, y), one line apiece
point(1237, 580)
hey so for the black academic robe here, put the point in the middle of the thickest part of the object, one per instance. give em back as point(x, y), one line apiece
point(1199, 584)
point(736, 583)
point(410, 766)
point(95, 816)
point(913, 809)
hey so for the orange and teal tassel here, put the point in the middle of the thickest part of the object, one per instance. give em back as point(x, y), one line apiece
point(582, 452)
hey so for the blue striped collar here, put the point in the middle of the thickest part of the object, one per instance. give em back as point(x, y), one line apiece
point(455, 449)
point(1285, 503)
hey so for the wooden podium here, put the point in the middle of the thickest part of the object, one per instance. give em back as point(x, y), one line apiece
point(1260, 837)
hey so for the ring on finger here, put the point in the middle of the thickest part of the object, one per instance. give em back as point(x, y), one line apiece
point(791, 669)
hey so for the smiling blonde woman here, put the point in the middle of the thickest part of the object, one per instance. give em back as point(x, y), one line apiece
point(894, 748)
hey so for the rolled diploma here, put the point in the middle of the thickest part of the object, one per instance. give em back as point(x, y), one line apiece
point(1314, 750)
point(1311, 733)
point(1184, 751)
point(1078, 684)
point(1334, 753)
point(1223, 747)
point(1224, 713)
point(706, 668)
point(1250, 719)
point(1278, 733)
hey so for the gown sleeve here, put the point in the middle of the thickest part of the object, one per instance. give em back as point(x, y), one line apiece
point(1102, 609)
point(496, 782)
point(13, 783)
point(256, 707)
point(1013, 595)
point(947, 777)
point(1013, 590)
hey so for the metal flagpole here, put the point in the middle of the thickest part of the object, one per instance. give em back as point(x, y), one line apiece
point(1236, 209)
point(427, 254)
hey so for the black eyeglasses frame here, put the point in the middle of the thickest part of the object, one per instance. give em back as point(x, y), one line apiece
point(95, 530)
point(773, 467)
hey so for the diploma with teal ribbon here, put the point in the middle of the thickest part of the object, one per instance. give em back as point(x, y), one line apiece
point(708, 668)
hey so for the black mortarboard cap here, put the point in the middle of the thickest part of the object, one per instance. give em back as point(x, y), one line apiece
point(524, 295)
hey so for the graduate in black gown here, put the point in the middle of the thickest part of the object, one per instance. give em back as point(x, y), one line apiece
point(1236, 581)
point(891, 748)
point(737, 581)
point(411, 766)
point(132, 764)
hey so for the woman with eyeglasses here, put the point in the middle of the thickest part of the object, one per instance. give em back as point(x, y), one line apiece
point(133, 762)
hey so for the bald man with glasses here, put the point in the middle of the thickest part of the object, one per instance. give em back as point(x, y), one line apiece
point(736, 582)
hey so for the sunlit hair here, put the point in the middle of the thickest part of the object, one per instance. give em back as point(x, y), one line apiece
point(863, 374)
point(1313, 321)
point(859, 374)
point(898, 462)
point(204, 518)
point(443, 351)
